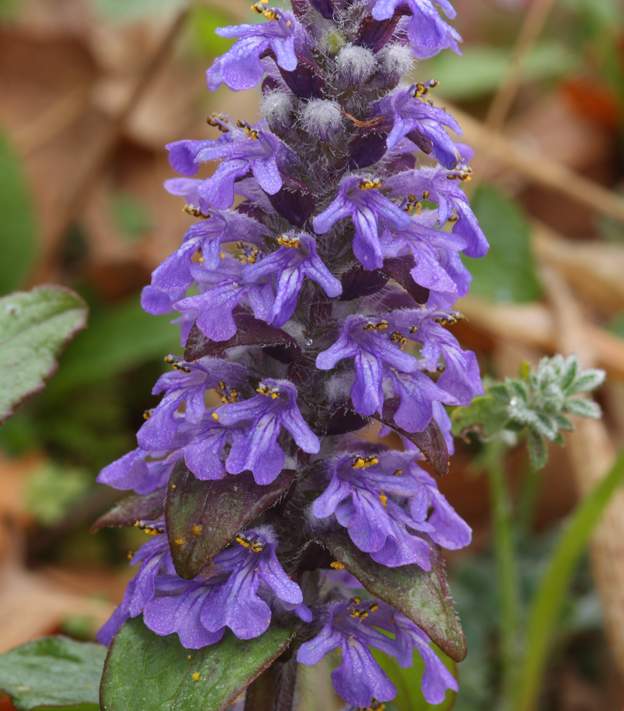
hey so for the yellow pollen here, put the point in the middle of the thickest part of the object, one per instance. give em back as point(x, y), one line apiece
point(197, 529)
point(380, 326)
point(169, 359)
point(356, 600)
point(364, 462)
point(373, 607)
point(193, 211)
point(242, 541)
point(398, 338)
point(147, 414)
point(337, 565)
point(257, 547)
point(196, 676)
point(398, 472)
point(249, 131)
point(215, 416)
point(290, 242)
point(384, 499)
point(370, 184)
point(426, 195)
point(173, 487)
point(130, 555)
point(180, 541)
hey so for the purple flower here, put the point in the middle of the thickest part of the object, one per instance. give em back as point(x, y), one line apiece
point(154, 558)
point(286, 268)
point(443, 187)
point(370, 344)
point(413, 117)
point(241, 150)
point(259, 420)
point(221, 291)
point(243, 581)
point(172, 279)
point(186, 386)
point(371, 213)
point(350, 626)
point(427, 32)
point(241, 67)
point(139, 471)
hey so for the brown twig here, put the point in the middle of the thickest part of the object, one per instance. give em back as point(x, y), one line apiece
point(535, 19)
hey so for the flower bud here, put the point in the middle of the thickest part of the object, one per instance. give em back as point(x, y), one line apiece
point(277, 108)
point(322, 118)
point(355, 64)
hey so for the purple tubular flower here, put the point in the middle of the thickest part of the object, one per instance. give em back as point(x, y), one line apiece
point(368, 342)
point(139, 471)
point(415, 118)
point(427, 32)
point(371, 213)
point(241, 150)
point(296, 259)
point(443, 187)
point(154, 558)
point(243, 581)
point(260, 420)
point(172, 279)
point(185, 386)
point(242, 67)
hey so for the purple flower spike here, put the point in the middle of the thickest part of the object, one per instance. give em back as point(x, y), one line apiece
point(413, 117)
point(287, 268)
point(260, 420)
point(371, 213)
point(241, 150)
point(370, 344)
point(241, 67)
point(427, 32)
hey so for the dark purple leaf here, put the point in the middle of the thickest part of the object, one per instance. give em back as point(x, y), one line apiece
point(359, 282)
point(430, 442)
point(366, 149)
point(204, 516)
point(324, 7)
point(251, 332)
point(343, 419)
point(294, 205)
point(132, 509)
point(374, 34)
point(424, 144)
point(422, 596)
point(305, 81)
point(399, 269)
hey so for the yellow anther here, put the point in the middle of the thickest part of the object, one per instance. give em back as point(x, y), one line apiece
point(356, 600)
point(337, 565)
point(196, 676)
point(398, 338)
point(173, 487)
point(286, 241)
point(219, 121)
point(257, 547)
point(151, 531)
point(360, 462)
point(426, 195)
point(370, 184)
point(181, 367)
point(193, 211)
point(130, 555)
point(398, 472)
point(373, 607)
point(197, 529)
point(179, 541)
point(189, 657)
point(147, 414)
point(170, 359)
point(380, 326)
point(384, 499)
point(215, 416)
point(242, 541)
point(273, 393)
point(249, 131)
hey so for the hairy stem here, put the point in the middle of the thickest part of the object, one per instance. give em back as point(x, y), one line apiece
point(529, 494)
point(506, 569)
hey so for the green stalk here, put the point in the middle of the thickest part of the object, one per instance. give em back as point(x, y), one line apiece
point(546, 607)
point(506, 569)
point(528, 499)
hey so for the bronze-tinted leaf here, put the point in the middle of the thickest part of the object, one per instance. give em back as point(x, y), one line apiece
point(204, 516)
point(251, 332)
point(399, 269)
point(422, 596)
point(430, 442)
point(131, 509)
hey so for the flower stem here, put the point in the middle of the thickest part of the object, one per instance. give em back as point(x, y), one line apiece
point(506, 569)
point(528, 499)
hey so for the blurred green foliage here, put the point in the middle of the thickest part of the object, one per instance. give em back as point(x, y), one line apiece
point(508, 273)
point(130, 215)
point(19, 243)
point(53, 489)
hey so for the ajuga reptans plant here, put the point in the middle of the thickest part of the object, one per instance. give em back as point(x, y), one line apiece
point(314, 292)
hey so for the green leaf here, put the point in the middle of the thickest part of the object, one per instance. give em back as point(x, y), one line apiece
point(587, 381)
point(144, 671)
point(52, 489)
point(421, 596)
point(204, 516)
point(546, 608)
point(52, 672)
point(584, 408)
point(481, 69)
point(19, 230)
point(538, 451)
point(486, 415)
point(508, 272)
point(34, 327)
point(118, 339)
